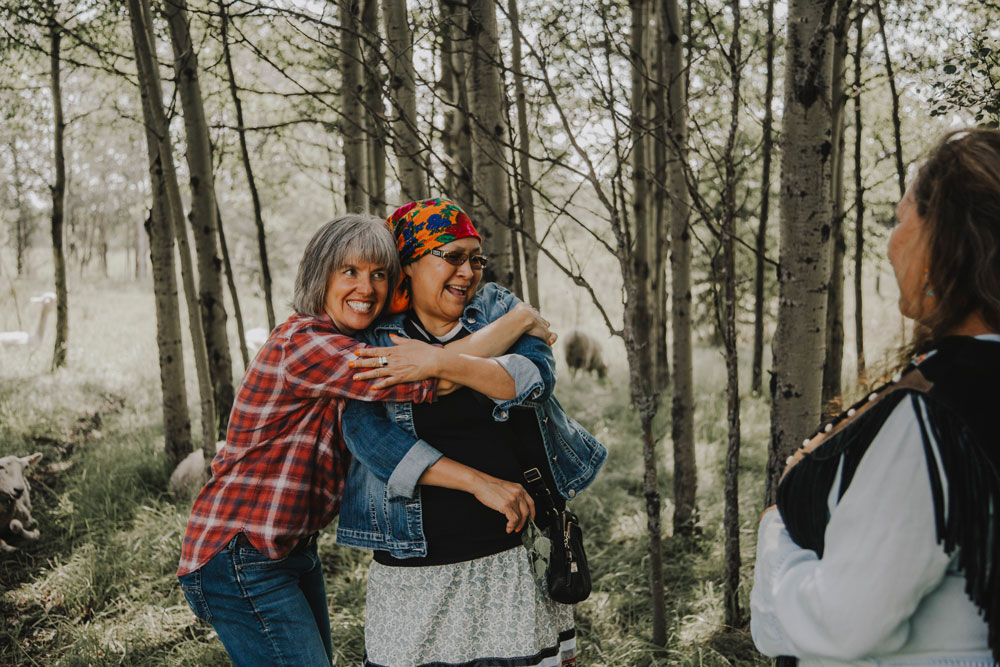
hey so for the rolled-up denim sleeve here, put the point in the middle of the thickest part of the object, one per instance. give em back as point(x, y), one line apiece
point(387, 450)
point(528, 384)
point(529, 361)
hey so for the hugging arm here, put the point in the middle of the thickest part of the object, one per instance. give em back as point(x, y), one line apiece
point(412, 360)
point(392, 455)
point(525, 375)
point(529, 359)
point(318, 365)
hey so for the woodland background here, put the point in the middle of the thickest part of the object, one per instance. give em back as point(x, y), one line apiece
point(695, 183)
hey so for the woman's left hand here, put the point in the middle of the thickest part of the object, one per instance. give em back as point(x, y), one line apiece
point(407, 361)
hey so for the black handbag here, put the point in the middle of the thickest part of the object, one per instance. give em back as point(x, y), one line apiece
point(567, 575)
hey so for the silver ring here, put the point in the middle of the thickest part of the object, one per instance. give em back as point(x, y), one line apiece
point(383, 361)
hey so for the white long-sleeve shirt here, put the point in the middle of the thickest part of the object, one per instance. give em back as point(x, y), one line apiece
point(884, 592)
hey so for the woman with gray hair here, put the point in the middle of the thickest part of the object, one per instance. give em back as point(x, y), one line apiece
point(249, 564)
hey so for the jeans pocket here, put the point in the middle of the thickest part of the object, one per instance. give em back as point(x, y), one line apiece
point(195, 596)
point(248, 558)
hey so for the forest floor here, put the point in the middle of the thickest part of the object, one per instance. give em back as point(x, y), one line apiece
point(99, 586)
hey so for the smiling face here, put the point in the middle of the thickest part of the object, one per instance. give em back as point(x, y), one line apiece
point(441, 291)
point(909, 256)
point(355, 294)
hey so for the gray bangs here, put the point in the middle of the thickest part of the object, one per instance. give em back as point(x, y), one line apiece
point(352, 238)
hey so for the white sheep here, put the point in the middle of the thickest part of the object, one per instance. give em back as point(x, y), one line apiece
point(16, 521)
point(189, 475)
point(21, 338)
point(255, 338)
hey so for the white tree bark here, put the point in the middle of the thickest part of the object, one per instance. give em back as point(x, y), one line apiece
point(149, 76)
point(352, 107)
point(176, 419)
point(804, 255)
point(203, 216)
point(490, 202)
point(682, 408)
point(402, 87)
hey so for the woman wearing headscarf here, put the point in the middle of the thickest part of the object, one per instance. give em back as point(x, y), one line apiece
point(249, 564)
point(885, 546)
point(451, 582)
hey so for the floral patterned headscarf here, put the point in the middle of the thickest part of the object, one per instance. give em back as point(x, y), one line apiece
point(418, 228)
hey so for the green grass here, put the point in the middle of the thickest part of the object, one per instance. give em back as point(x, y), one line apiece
point(99, 587)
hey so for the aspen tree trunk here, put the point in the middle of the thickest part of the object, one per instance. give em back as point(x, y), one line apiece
point(103, 243)
point(231, 282)
point(640, 185)
point(767, 148)
point(660, 238)
point(141, 251)
point(804, 255)
point(375, 108)
point(682, 404)
point(455, 54)
point(21, 223)
point(446, 89)
point(265, 270)
point(638, 318)
point(517, 271)
point(513, 225)
point(352, 105)
point(451, 82)
point(58, 195)
point(897, 122)
point(833, 366)
point(731, 518)
point(176, 419)
point(149, 76)
point(525, 195)
point(402, 84)
point(490, 207)
point(859, 204)
point(204, 223)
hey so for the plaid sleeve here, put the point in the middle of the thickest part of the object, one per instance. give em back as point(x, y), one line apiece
point(315, 364)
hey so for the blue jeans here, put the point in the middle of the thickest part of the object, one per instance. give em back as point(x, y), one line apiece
point(266, 611)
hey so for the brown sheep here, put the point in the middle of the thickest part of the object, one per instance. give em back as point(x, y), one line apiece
point(15, 501)
point(583, 352)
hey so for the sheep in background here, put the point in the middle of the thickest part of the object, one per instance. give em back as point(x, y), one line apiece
point(190, 475)
point(21, 338)
point(583, 352)
point(16, 521)
point(255, 339)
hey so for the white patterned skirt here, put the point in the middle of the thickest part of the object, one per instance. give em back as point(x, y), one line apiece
point(486, 612)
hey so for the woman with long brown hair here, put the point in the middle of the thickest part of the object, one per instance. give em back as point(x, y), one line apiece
point(885, 547)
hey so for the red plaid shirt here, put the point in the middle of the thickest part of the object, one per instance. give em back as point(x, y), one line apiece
point(281, 473)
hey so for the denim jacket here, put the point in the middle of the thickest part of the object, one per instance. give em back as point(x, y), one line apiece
point(381, 507)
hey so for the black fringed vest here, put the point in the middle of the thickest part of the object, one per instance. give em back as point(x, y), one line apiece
point(960, 388)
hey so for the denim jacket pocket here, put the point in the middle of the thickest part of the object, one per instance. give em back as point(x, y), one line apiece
point(195, 596)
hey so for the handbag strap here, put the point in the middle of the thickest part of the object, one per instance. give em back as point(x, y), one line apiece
point(539, 490)
point(533, 478)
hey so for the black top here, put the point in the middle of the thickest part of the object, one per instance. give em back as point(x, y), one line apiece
point(461, 426)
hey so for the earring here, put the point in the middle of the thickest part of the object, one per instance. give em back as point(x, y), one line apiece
point(928, 290)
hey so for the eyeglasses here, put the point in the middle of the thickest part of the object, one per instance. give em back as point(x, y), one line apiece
point(456, 258)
